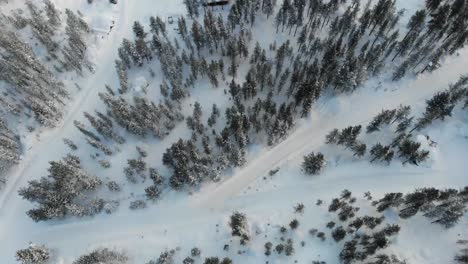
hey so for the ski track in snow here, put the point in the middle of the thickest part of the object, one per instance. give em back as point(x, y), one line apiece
point(217, 198)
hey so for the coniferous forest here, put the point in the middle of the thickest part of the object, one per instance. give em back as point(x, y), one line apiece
point(275, 131)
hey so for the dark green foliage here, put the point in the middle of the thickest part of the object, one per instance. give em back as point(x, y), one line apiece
point(188, 260)
point(294, 224)
point(211, 260)
point(279, 248)
point(390, 200)
point(384, 118)
point(299, 208)
point(63, 192)
point(289, 248)
point(313, 163)
point(381, 153)
point(338, 234)
point(268, 247)
point(438, 107)
point(195, 252)
point(239, 226)
point(410, 152)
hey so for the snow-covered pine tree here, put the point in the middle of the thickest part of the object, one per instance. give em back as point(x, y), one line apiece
point(66, 191)
point(74, 52)
point(313, 163)
point(34, 254)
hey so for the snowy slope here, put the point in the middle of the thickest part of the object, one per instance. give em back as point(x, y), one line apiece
point(201, 219)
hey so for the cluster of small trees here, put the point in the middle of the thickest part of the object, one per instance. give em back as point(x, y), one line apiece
point(347, 137)
point(143, 117)
point(444, 207)
point(34, 254)
point(365, 242)
point(239, 227)
point(407, 149)
point(66, 191)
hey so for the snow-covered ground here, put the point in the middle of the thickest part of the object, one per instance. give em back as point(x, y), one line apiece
point(201, 219)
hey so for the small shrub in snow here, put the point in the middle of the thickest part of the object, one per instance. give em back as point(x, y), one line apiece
point(313, 163)
point(345, 194)
point(166, 257)
point(188, 260)
point(211, 260)
point(299, 208)
point(321, 235)
point(136, 167)
point(152, 193)
point(289, 248)
point(142, 152)
point(268, 246)
point(195, 252)
point(113, 186)
point(138, 204)
point(239, 226)
point(226, 261)
point(294, 224)
point(283, 229)
point(330, 224)
point(111, 206)
point(70, 144)
point(339, 233)
point(313, 231)
point(34, 254)
point(105, 164)
point(279, 248)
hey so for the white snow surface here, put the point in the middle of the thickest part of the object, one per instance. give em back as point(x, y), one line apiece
point(185, 221)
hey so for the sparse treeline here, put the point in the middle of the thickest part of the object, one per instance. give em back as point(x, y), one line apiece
point(444, 207)
point(403, 124)
point(361, 237)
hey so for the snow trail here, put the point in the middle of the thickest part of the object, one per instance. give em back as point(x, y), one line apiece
point(359, 108)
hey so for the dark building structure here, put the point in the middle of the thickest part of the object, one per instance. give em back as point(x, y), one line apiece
point(216, 3)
